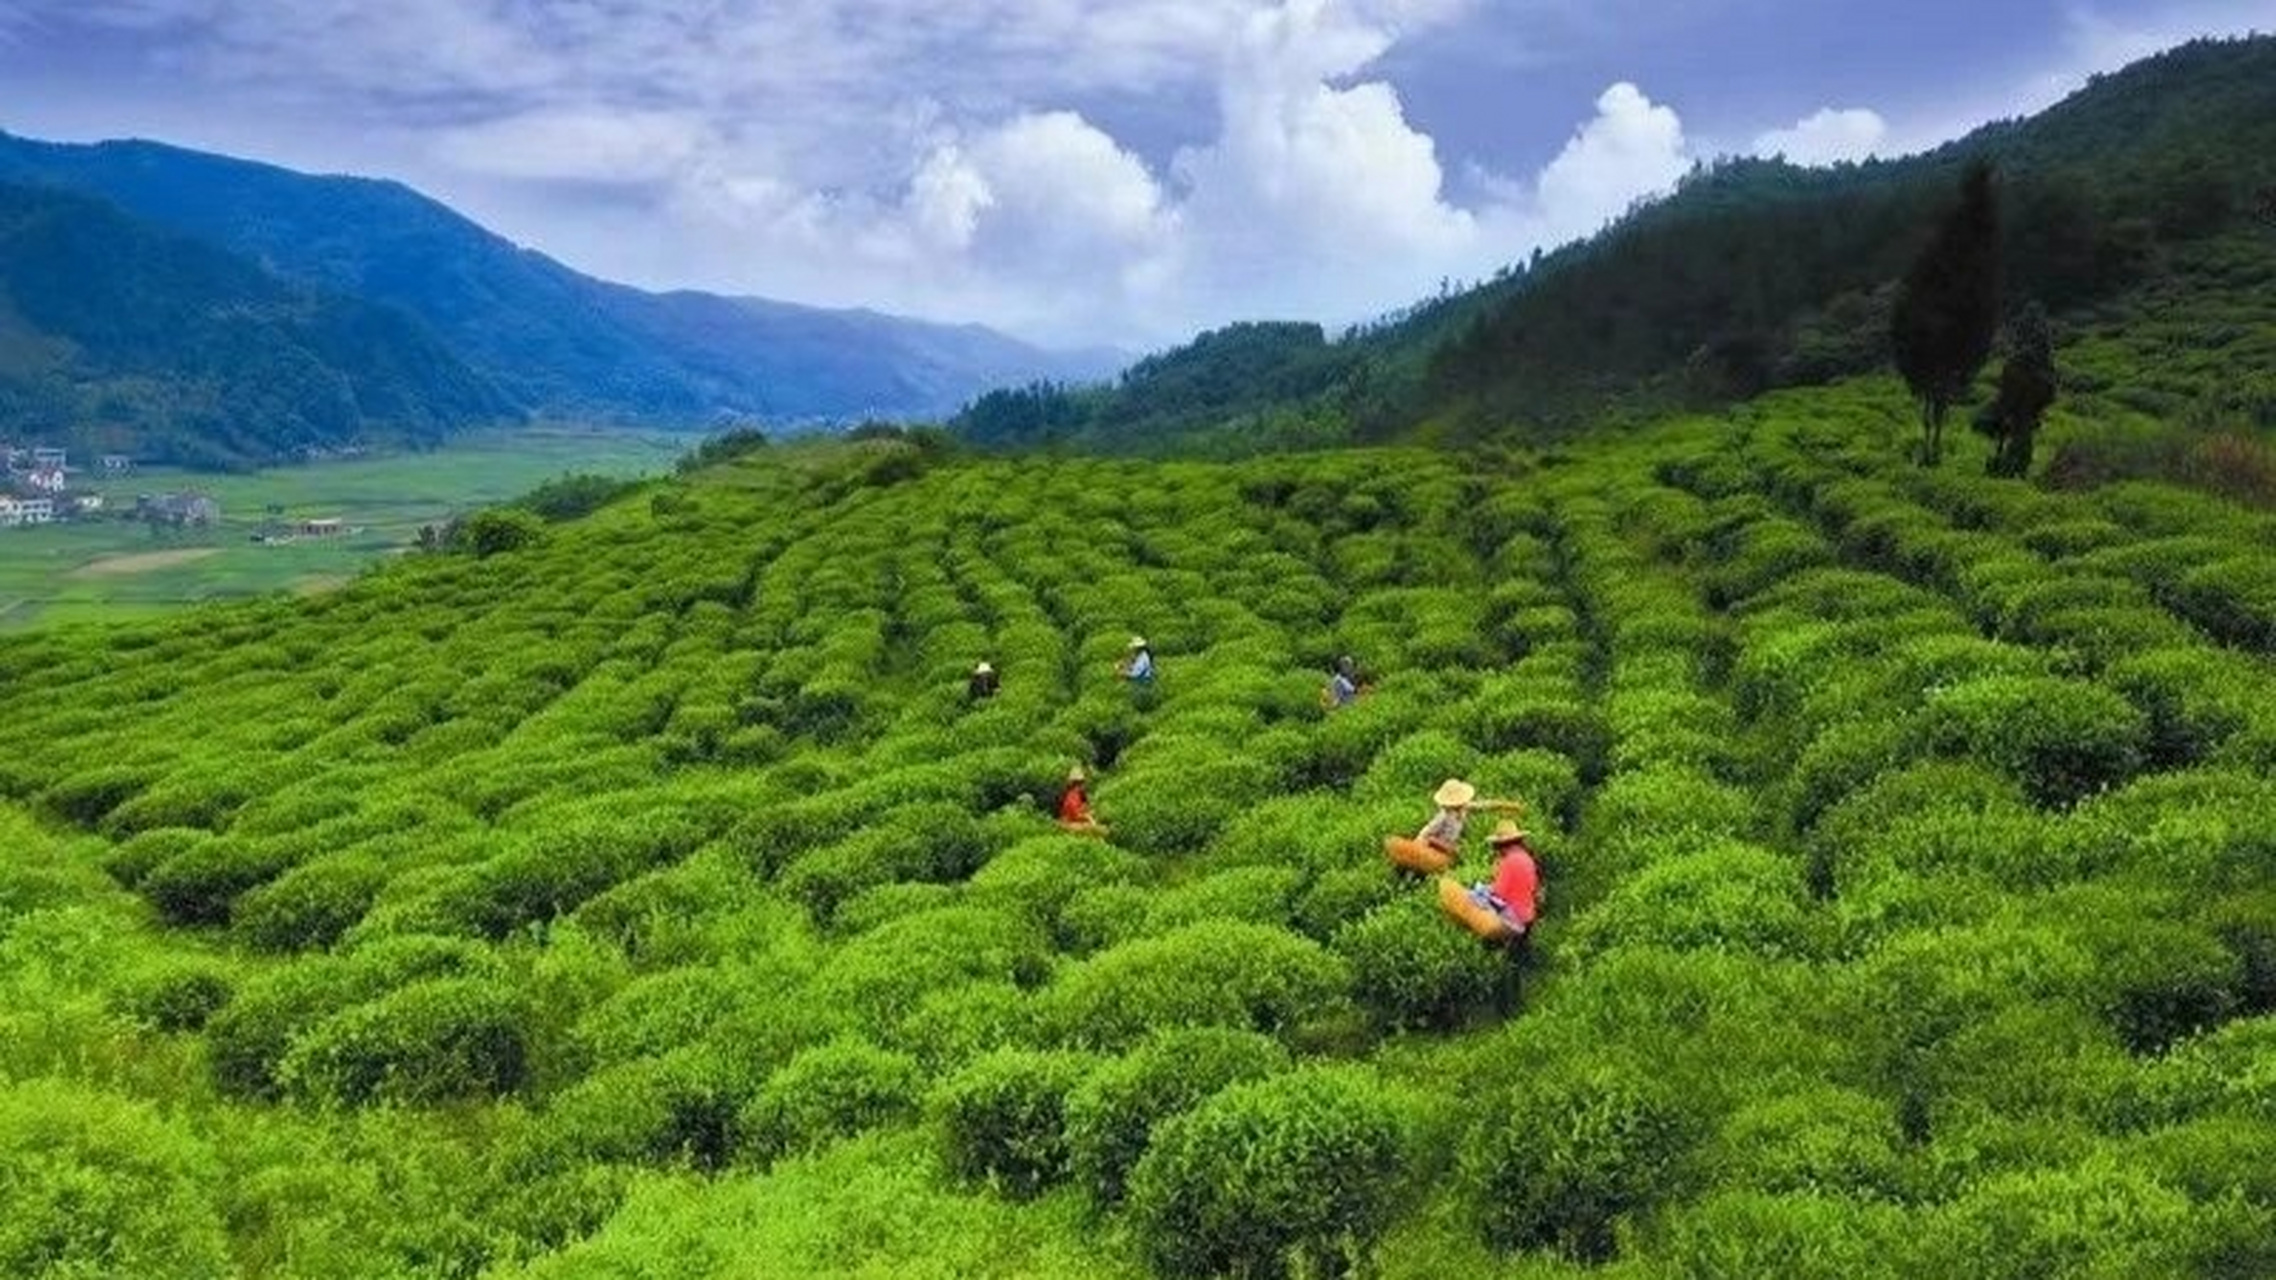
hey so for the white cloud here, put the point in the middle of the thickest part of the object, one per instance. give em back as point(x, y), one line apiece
point(579, 144)
point(1633, 149)
point(1827, 137)
point(925, 155)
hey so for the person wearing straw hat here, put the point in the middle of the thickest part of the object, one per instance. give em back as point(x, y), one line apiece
point(1514, 894)
point(1075, 805)
point(983, 684)
point(1138, 667)
point(1433, 849)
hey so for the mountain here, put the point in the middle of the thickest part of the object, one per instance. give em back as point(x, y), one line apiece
point(554, 340)
point(116, 334)
point(1754, 274)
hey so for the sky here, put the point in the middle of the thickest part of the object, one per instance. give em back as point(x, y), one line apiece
point(1077, 172)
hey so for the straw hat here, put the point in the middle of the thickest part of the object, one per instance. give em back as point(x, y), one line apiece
point(983, 670)
point(1076, 774)
point(1453, 794)
point(1508, 833)
point(1137, 642)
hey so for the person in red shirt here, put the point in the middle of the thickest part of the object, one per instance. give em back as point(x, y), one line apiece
point(1075, 805)
point(1515, 892)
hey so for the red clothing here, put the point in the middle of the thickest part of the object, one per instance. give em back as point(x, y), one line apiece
point(1074, 806)
point(1517, 881)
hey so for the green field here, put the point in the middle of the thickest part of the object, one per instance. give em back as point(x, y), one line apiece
point(645, 900)
point(58, 573)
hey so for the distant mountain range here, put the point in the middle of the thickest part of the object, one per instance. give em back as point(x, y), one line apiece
point(1754, 274)
point(217, 311)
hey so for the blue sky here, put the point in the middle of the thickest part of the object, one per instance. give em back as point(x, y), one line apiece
point(1073, 170)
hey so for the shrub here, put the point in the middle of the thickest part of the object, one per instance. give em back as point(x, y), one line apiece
point(95, 1185)
point(1726, 896)
point(1307, 1166)
point(1259, 895)
point(199, 886)
point(89, 796)
point(2233, 599)
point(1563, 1159)
point(1411, 967)
point(2098, 1218)
point(1345, 895)
point(1222, 974)
point(826, 1093)
point(435, 1041)
point(2061, 739)
point(131, 862)
point(309, 906)
point(880, 977)
point(2157, 981)
point(1113, 1114)
point(1826, 1140)
point(179, 996)
point(670, 1108)
point(1800, 1235)
point(952, 1026)
point(1003, 1118)
point(2195, 700)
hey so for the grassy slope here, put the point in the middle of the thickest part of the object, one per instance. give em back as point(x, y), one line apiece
point(1906, 837)
point(43, 571)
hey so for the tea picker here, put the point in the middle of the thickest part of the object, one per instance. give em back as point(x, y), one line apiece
point(1432, 850)
point(1500, 911)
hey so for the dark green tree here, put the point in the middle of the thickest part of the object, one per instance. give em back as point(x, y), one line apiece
point(2026, 389)
point(1948, 307)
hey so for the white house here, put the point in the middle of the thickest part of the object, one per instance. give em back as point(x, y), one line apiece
point(27, 511)
point(46, 459)
point(11, 512)
point(47, 480)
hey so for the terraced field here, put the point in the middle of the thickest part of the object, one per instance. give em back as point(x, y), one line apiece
point(648, 901)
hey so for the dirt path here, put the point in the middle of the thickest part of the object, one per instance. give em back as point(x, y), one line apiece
point(140, 562)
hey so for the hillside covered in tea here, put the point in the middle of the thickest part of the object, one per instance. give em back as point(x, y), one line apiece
point(643, 897)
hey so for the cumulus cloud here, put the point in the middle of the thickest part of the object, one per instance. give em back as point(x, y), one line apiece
point(1827, 137)
point(1633, 149)
point(940, 157)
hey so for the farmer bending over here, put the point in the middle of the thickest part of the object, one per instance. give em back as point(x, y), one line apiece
point(1343, 687)
point(1075, 806)
point(983, 684)
point(1138, 668)
point(1515, 893)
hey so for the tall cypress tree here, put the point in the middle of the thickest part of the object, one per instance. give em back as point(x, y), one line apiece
point(1948, 307)
point(2026, 388)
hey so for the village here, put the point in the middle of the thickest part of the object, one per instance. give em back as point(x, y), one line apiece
point(40, 486)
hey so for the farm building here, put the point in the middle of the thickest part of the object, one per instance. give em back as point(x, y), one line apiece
point(177, 509)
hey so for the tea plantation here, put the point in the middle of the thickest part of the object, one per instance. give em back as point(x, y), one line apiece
point(643, 899)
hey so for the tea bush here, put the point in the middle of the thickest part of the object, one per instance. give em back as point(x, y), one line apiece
point(1411, 970)
point(1310, 1165)
point(1219, 974)
point(2061, 739)
point(1906, 837)
point(1112, 1115)
point(435, 1041)
point(1565, 1159)
point(830, 1092)
point(100, 1185)
point(1004, 1118)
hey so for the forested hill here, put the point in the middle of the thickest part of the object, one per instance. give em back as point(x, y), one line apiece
point(1755, 274)
point(557, 341)
point(116, 334)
